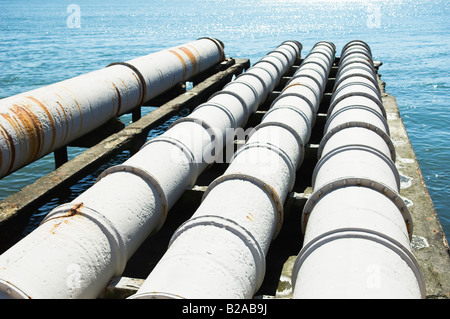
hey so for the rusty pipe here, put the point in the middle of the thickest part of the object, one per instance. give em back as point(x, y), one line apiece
point(35, 123)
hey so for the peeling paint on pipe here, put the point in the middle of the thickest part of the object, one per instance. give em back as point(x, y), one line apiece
point(357, 229)
point(220, 252)
point(128, 202)
point(35, 123)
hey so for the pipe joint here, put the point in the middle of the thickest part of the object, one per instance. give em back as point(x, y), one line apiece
point(365, 125)
point(245, 107)
point(290, 162)
point(271, 193)
point(149, 178)
point(343, 182)
point(118, 247)
point(366, 235)
point(234, 228)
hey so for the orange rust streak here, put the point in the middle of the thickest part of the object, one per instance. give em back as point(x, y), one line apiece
point(33, 129)
point(49, 115)
point(66, 120)
point(8, 137)
point(181, 60)
point(76, 209)
point(191, 57)
point(291, 85)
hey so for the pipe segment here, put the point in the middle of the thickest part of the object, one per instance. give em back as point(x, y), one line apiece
point(220, 252)
point(35, 123)
point(357, 229)
point(81, 245)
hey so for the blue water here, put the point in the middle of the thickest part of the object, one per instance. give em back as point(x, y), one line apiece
point(42, 42)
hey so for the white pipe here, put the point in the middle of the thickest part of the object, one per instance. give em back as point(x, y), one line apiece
point(357, 229)
point(35, 123)
point(128, 202)
point(220, 252)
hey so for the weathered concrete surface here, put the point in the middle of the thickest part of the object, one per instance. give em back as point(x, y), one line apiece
point(429, 243)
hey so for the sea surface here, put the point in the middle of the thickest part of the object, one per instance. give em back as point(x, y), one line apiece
point(42, 42)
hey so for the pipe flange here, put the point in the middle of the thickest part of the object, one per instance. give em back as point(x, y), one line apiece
point(108, 228)
point(238, 97)
point(320, 54)
point(296, 110)
point(369, 126)
point(363, 75)
point(149, 178)
point(272, 194)
point(291, 166)
point(186, 150)
point(323, 77)
point(140, 76)
point(297, 76)
point(327, 43)
point(360, 233)
point(360, 107)
point(219, 45)
point(220, 107)
point(351, 94)
point(350, 54)
point(306, 61)
point(361, 182)
point(298, 83)
point(293, 132)
point(260, 68)
point(301, 96)
point(360, 147)
point(273, 64)
point(375, 88)
point(356, 42)
point(257, 77)
point(251, 87)
point(236, 229)
point(297, 49)
point(345, 64)
point(282, 53)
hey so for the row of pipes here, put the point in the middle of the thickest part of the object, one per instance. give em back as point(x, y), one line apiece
point(220, 251)
point(35, 123)
point(81, 245)
point(357, 229)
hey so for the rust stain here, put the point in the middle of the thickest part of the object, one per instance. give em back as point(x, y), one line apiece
point(181, 60)
point(33, 129)
point(50, 117)
point(12, 147)
point(291, 85)
point(119, 99)
point(76, 209)
point(78, 106)
point(191, 57)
